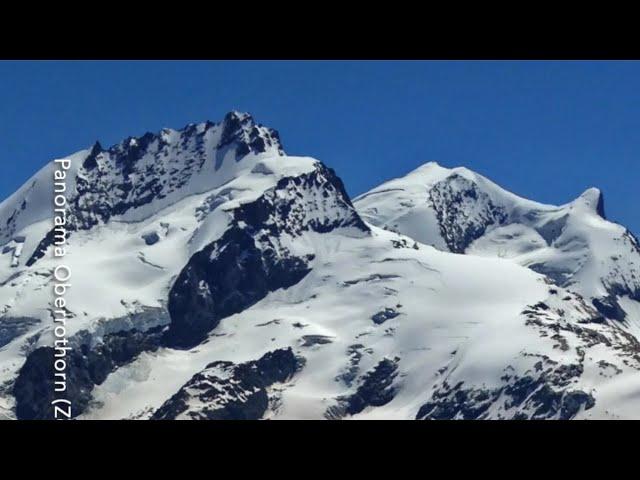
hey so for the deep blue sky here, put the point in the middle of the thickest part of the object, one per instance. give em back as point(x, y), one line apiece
point(544, 130)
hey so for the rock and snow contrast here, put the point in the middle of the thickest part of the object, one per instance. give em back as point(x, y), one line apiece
point(216, 277)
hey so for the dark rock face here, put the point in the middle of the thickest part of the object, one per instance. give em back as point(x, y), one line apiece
point(249, 260)
point(9, 228)
point(33, 388)
point(610, 308)
point(384, 315)
point(241, 133)
point(376, 388)
point(151, 238)
point(86, 367)
point(350, 373)
point(91, 161)
point(311, 340)
point(558, 274)
point(40, 251)
point(117, 349)
point(533, 397)
point(451, 199)
point(315, 201)
point(225, 278)
point(573, 401)
point(11, 328)
point(600, 206)
point(226, 391)
point(457, 403)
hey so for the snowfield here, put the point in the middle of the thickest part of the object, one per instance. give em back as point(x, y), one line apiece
point(349, 284)
point(215, 277)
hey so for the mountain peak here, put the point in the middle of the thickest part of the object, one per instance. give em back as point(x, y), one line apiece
point(91, 161)
point(240, 128)
point(237, 116)
point(237, 133)
point(428, 167)
point(593, 199)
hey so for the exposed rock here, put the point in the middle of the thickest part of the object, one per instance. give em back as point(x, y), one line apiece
point(521, 398)
point(151, 238)
point(375, 390)
point(452, 199)
point(386, 314)
point(610, 308)
point(223, 279)
point(355, 353)
point(11, 328)
point(311, 340)
point(551, 230)
point(87, 365)
point(91, 161)
point(250, 260)
point(226, 391)
point(143, 169)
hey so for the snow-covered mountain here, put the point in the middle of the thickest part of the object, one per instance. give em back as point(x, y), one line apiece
point(573, 245)
point(216, 277)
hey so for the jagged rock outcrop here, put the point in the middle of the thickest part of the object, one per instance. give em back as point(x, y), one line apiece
point(228, 391)
point(252, 258)
point(87, 366)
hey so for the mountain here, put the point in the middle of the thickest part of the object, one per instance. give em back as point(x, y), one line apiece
point(573, 245)
point(216, 277)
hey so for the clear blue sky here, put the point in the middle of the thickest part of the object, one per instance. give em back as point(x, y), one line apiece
point(545, 130)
